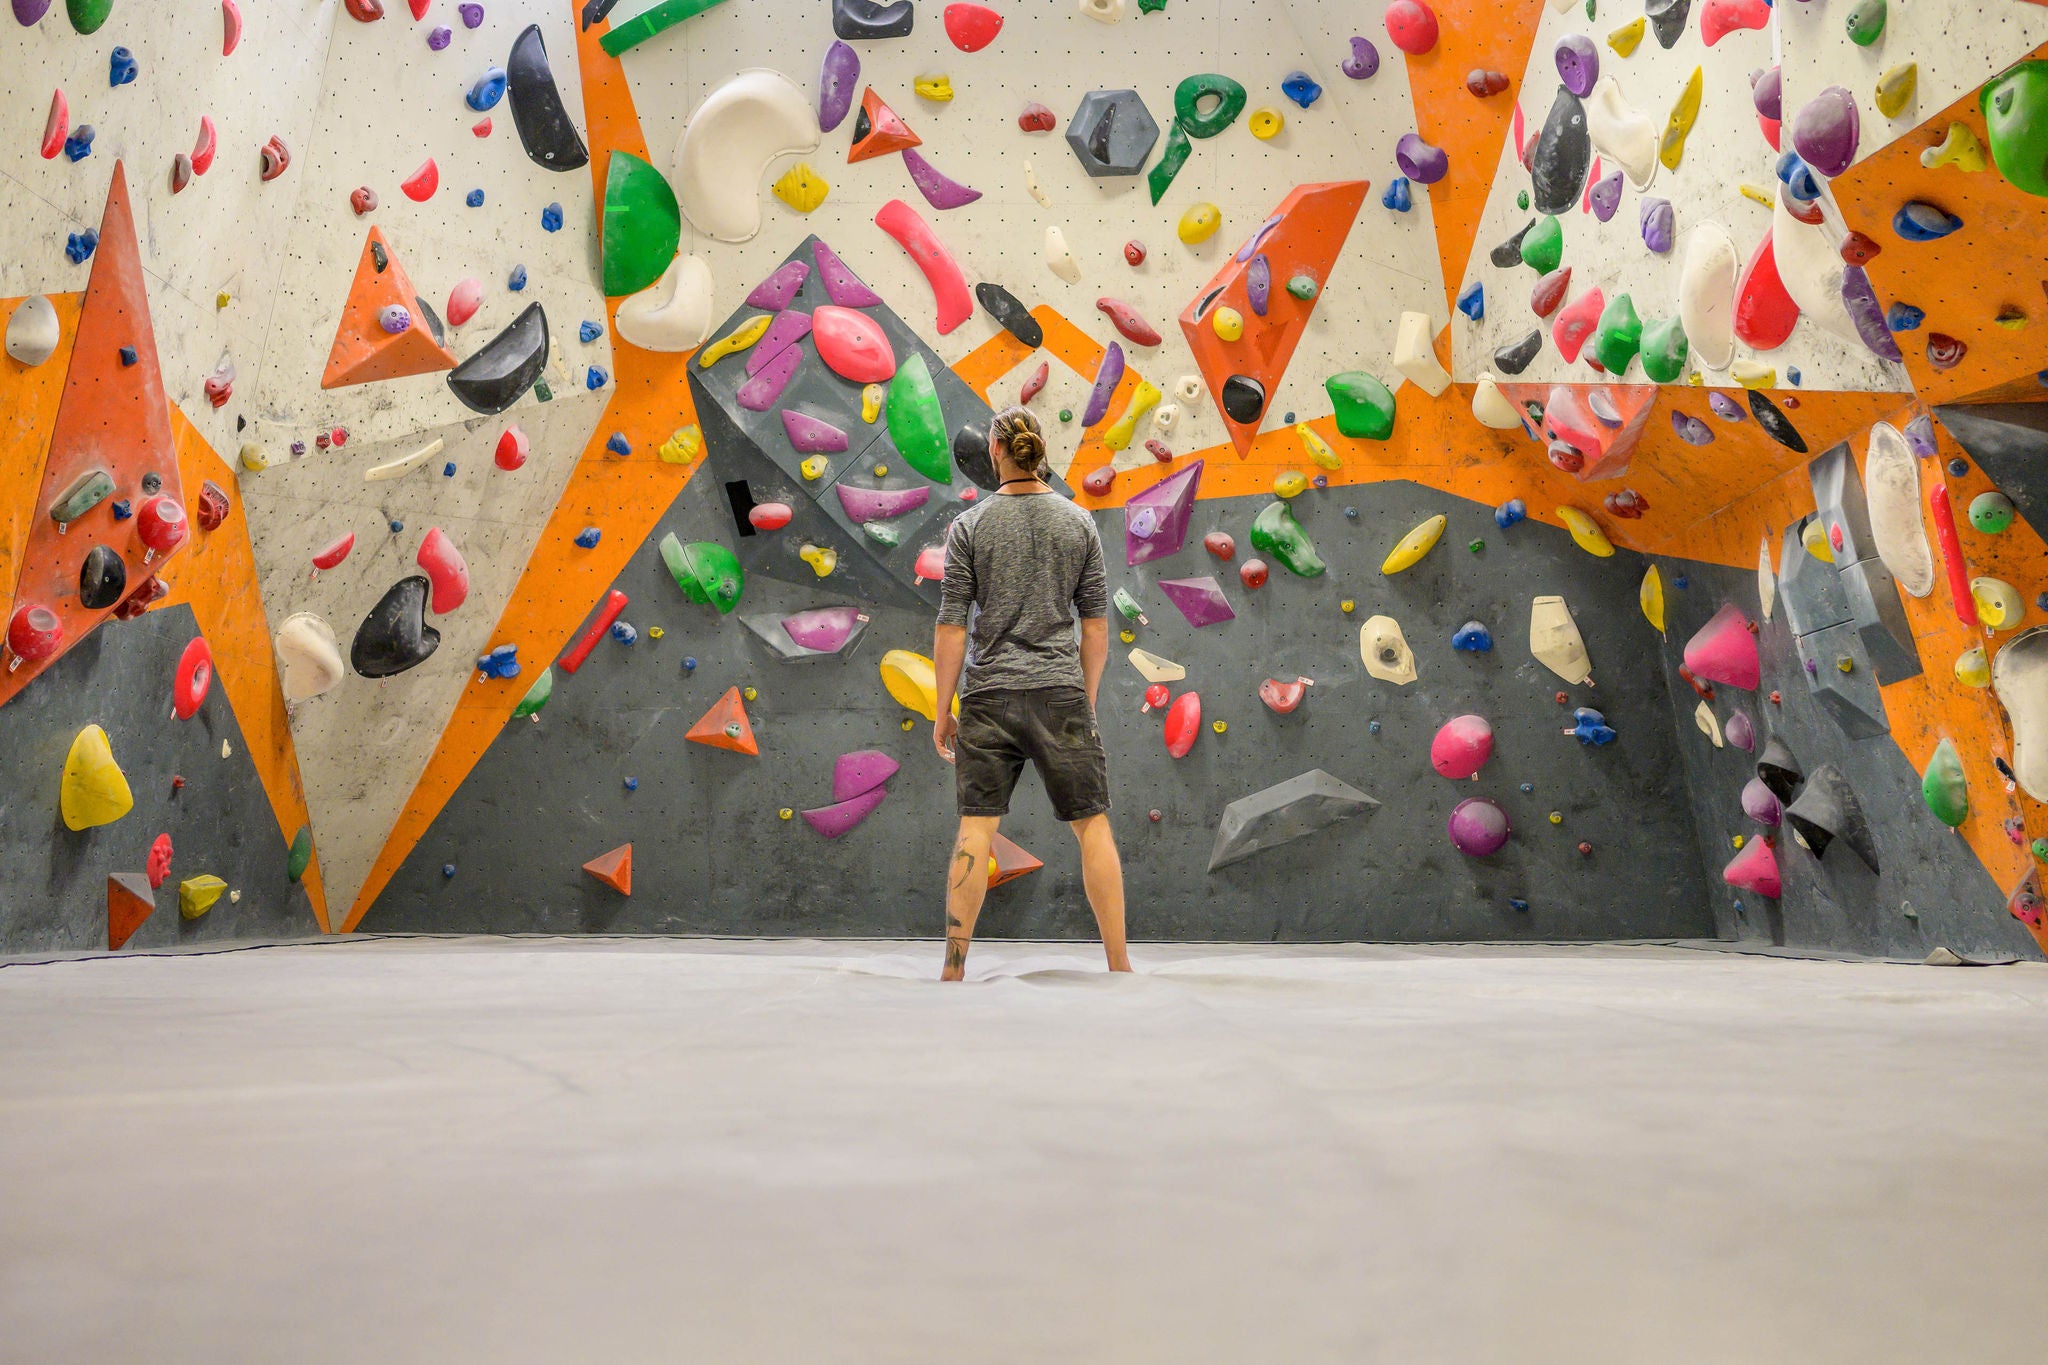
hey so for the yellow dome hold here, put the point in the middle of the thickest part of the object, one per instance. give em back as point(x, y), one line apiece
point(1199, 223)
point(1266, 124)
point(1413, 546)
point(914, 684)
point(1586, 532)
point(813, 468)
point(1999, 604)
point(1814, 537)
point(1228, 323)
point(802, 188)
point(683, 446)
point(196, 895)
point(871, 403)
point(1972, 669)
point(1292, 484)
point(95, 791)
point(821, 559)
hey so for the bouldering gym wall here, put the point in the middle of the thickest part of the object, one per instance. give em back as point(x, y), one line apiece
point(1571, 470)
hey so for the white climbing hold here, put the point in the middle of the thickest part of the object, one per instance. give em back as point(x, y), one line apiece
point(33, 333)
point(1058, 258)
point(1492, 407)
point(399, 468)
point(1415, 355)
point(1703, 716)
point(1810, 265)
point(673, 313)
point(1384, 650)
point(728, 145)
point(311, 660)
point(1622, 133)
point(1031, 184)
point(1102, 11)
point(1706, 295)
point(1891, 483)
point(1188, 388)
point(2019, 678)
point(1555, 641)
point(1154, 669)
point(1164, 416)
point(1766, 577)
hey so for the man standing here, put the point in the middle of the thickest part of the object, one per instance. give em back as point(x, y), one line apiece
point(1028, 563)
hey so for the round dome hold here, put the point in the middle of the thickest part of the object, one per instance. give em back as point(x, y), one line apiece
point(1462, 746)
point(1478, 827)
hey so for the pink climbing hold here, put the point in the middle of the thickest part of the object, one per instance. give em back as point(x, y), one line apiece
point(481, 128)
point(860, 772)
point(194, 679)
point(823, 629)
point(835, 820)
point(1722, 17)
point(1755, 869)
point(159, 865)
point(1284, 698)
point(1576, 321)
point(810, 435)
point(941, 271)
point(421, 184)
point(1478, 827)
point(57, 127)
point(760, 393)
point(1462, 746)
point(463, 301)
point(1764, 312)
point(512, 448)
point(1412, 25)
point(446, 570)
point(931, 563)
point(785, 331)
point(1761, 804)
point(1723, 650)
point(335, 551)
point(231, 27)
point(769, 516)
point(1183, 723)
point(853, 345)
point(208, 144)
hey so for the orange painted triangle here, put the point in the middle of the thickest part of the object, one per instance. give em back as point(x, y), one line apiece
point(614, 869)
point(725, 726)
point(878, 131)
point(1308, 234)
point(129, 903)
point(1012, 862)
point(363, 351)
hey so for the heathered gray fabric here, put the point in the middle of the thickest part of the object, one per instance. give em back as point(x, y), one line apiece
point(1030, 566)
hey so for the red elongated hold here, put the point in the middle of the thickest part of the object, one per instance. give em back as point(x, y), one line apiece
point(1764, 312)
point(421, 184)
point(769, 516)
point(463, 301)
point(614, 603)
point(364, 11)
point(57, 127)
point(1220, 544)
point(336, 551)
point(1549, 292)
point(1952, 556)
point(1035, 385)
point(1253, 573)
point(1036, 118)
point(1482, 83)
point(195, 679)
point(972, 27)
point(481, 128)
point(1858, 249)
point(446, 570)
point(1099, 481)
point(230, 27)
point(276, 157)
point(1155, 697)
point(512, 447)
point(1126, 320)
point(159, 865)
point(1576, 322)
point(1282, 698)
point(1134, 252)
point(941, 271)
point(420, 8)
point(208, 144)
point(1159, 450)
point(1183, 723)
point(363, 200)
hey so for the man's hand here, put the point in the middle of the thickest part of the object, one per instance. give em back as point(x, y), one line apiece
point(944, 732)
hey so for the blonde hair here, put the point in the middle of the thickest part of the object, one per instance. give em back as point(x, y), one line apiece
point(1017, 431)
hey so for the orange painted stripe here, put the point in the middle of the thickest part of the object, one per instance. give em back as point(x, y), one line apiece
point(28, 410)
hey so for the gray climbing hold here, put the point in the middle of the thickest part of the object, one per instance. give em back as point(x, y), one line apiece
point(1112, 132)
point(33, 332)
point(1562, 156)
point(857, 19)
point(1667, 19)
point(1515, 357)
point(1827, 810)
point(1280, 814)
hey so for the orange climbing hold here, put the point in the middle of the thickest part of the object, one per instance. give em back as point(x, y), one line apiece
point(725, 726)
point(130, 901)
point(614, 869)
point(879, 131)
point(1011, 861)
point(365, 349)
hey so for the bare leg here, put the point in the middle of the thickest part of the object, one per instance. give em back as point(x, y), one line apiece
point(966, 887)
point(1102, 872)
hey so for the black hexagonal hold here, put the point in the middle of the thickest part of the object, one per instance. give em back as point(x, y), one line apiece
point(1112, 132)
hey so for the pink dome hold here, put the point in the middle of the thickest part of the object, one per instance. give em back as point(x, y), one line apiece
point(1478, 827)
point(1461, 747)
point(1723, 651)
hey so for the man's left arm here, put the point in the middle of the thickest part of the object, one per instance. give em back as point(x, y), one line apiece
point(1091, 604)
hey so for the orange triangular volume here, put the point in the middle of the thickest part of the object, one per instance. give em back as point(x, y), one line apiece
point(129, 903)
point(363, 351)
point(877, 131)
point(1012, 862)
point(725, 726)
point(1304, 236)
point(614, 869)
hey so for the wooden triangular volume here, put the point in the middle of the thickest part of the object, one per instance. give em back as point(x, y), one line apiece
point(614, 869)
point(725, 726)
point(364, 351)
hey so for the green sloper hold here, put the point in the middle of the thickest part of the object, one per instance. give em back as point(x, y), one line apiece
point(536, 695)
point(1187, 104)
point(1275, 532)
point(88, 15)
point(1151, 6)
point(1303, 287)
point(643, 26)
point(1170, 161)
point(707, 572)
point(301, 855)
point(642, 225)
point(1543, 247)
point(917, 424)
point(1619, 335)
point(2016, 119)
point(1866, 22)
point(1944, 788)
point(1365, 407)
point(1664, 351)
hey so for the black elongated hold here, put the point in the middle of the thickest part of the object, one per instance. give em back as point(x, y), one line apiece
point(1515, 359)
point(1098, 137)
point(102, 579)
point(422, 311)
point(492, 380)
point(1010, 314)
point(1509, 253)
point(545, 128)
point(1775, 423)
point(395, 635)
point(594, 10)
point(1828, 810)
point(1667, 19)
point(857, 19)
point(1562, 157)
point(971, 456)
point(1244, 398)
point(1778, 769)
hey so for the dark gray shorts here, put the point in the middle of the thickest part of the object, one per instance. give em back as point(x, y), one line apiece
point(1053, 728)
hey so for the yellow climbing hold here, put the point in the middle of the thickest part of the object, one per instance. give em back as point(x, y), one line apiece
point(1586, 532)
point(813, 468)
point(655, 632)
point(1753, 374)
point(821, 559)
point(750, 694)
point(881, 471)
point(2011, 318)
point(1759, 194)
point(254, 457)
point(1199, 223)
point(221, 300)
point(1736, 840)
point(1972, 669)
point(938, 89)
point(196, 895)
point(1119, 434)
point(785, 814)
point(1318, 449)
point(912, 681)
point(1228, 323)
point(1291, 484)
point(1266, 124)
point(1671, 150)
point(734, 342)
point(1651, 596)
point(1557, 817)
point(802, 188)
point(683, 445)
point(1960, 149)
point(1347, 606)
point(1814, 537)
point(1415, 545)
point(1624, 39)
point(871, 403)
point(1999, 604)
point(1895, 88)
point(95, 791)
point(1218, 726)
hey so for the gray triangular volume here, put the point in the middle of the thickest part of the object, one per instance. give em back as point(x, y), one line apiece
point(2009, 442)
point(1827, 810)
point(1281, 814)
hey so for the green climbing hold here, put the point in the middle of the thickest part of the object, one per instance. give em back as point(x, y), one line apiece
point(1866, 22)
point(2015, 109)
point(1991, 512)
point(1591, 6)
point(536, 695)
point(1944, 788)
point(1066, 414)
point(882, 533)
point(642, 225)
point(1189, 95)
point(1543, 245)
point(916, 423)
point(1304, 287)
point(1664, 351)
point(1170, 161)
point(1365, 407)
point(86, 15)
point(1151, 6)
point(301, 855)
point(707, 572)
point(1619, 336)
point(1275, 532)
point(1522, 200)
point(646, 24)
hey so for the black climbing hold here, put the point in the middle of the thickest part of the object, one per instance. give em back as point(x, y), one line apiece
point(1244, 398)
point(1777, 769)
point(970, 455)
point(1112, 133)
point(1775, 423)
point(102, 579)
point(379, 258)
point(1098, 136)
point(421, 309)
point(1509, 253)
point(1562, 156)
point(1515, 359)
point(1667, 19)
point(1010, 314)
point(545, 128)
point(856, 19)
point(1828, 810)
point(595, 10)
point(395, 635)
point(492, 380)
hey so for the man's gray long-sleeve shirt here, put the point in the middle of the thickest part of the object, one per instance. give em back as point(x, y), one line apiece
point(1024, 569)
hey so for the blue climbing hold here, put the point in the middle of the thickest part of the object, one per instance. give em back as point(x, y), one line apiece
point(1472, 303)
point(632, 784)
point(588, 537)
point(501, 662)
point(551, 218)
point(1473, 638)
point(1590, 727)
point(1681, 582)
point(1904, 317)
point(617, 444)
point(123, 509)
point(129, 356)
point(448, 872)
point(595, 378)
point(624, 633)
point(1792, 375)
point(1797, 177)
point(516, 281)
point(1397, 196)
point(448, 470)
point(689, 664)
point(79, 145)
point(396, 527)
point(79, 246)
point(2041, 600)
point(1287, 419)
point(121, 67)
point(588, 331)
point(1528, 787)
point(488, 90)
point(475, 199)
point(1957, 468)
point(1351, 514)
point(1510, 512)
point(1373, 726)
point(1300, 88)
point(1920, 221)
point(1517, 903)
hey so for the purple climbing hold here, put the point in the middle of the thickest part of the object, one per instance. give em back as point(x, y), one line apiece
point(1658, 224)
point(1726, 408)
point(1578, 63)
point(1478, 827)
point(760, 393)
point(1691, 429)
point(1258, 283)
point(810, 436)
point(1156, 520)
point(1868, 315)
point(860, 772)
point(1257, 240)
point(787, 330)
point(1362, 65)
point(836, 83)
point(940, 190)
point(777, 291)
point(1107, 377)
point(842, 286)
point(1761, 804)
point(1741, 732)
point(1826, 130)
point(835, 820)
point(29, 13)
point(1920, 436)
point(880, 504)
point(824, 629)
point(1419, 161)
point(1606, 196)
point(472, 14)
point(394, 318)
point(1767, 94)
point(1201, 600)
point(439, 37)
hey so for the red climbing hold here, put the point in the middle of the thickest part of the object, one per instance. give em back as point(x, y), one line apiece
point(481, 128)
point(769, 516)
point(195, 678)
point(421, 184)
point(446, 570)
point(1412, 26)
point(614, 603)
point(276, 159)
point(213, 506)
point(160, 525)
point(129, 902)
point(1549, 292)
point(1220, 544)
point(159, 860)
point(512, 447)
point(1099, 481)
point(1156, 697)
point(1159, 450)
point(1482, 83)
point(972, 27)
point(1036, 383)
point(57, 127)
point(1626, 503)
point(614, 869)
point(725, 726)
point(1282, 698)
point(208, 144)
point(364, 11)
point(230, 27)
point(1253, 573)
point(419, 8)
point(1576, 322)
point(1462, 746)
point(1127, 321)
point(1764, 312)
point(336, 551)
point(363, 200)
point(1183, 723)
point(1858, 249)
point(1036, 118)
point(1134, 252)
point(463, 300)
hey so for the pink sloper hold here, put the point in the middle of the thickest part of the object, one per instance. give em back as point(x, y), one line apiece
point(1479, 828)
point(833, 821)
point(810, 436)
point(1201, 600)
point(1575, 323)
point(940, 190)
point(853, 345)
point(1156, 520)
point(941, 271)
point(1723, 650)
point(779, 290)
point(842, 286)
point(463, 301)
point(1755, 869)
point(1462, 746)
point(446, 570)
point(825, 629)
point(880, 504)
point(786, 331)
point(760, 393)
point(860, 772)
